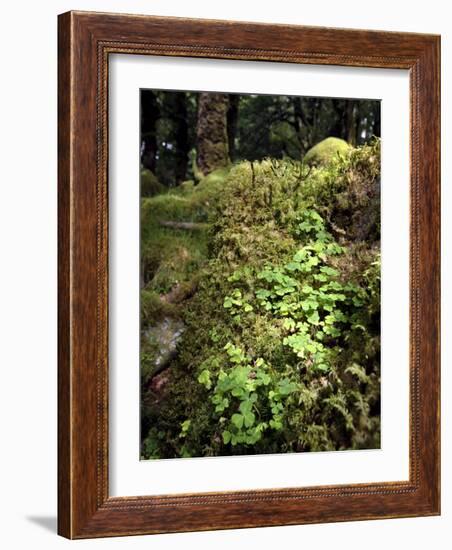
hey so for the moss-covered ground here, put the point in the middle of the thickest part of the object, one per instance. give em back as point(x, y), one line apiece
point(275, 281)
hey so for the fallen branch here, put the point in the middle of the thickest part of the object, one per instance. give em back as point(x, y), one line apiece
point(179, 293)
point(190, 226)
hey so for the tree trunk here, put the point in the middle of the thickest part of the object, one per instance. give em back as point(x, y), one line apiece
point(181, 137)
point(211, 132)
point(337, 127)
point(377, 119)
point(352, 126)
point(232, 119)
point(150, 113)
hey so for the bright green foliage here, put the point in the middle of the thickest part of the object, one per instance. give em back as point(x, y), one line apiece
point(245, 397)
point(281, 346)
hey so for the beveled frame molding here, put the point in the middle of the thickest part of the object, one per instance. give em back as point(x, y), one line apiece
point(85, 41)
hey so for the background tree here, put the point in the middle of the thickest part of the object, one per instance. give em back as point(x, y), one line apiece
point(150, 114)
point(181, 137)
point(232, 121)
point(220, 128)
point(211, 132)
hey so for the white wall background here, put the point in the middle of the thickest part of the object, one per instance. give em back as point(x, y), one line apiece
point(28, 235)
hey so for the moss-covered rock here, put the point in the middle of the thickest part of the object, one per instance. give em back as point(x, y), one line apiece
point(210, 186)
point(325, 151)
point(347, 192)
point(283, 329)
point(153, 308)
point(186, 187)
point(280, 349)
point(150, 185)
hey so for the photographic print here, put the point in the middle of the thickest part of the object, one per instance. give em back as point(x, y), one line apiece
point(260, 274)
point(221, 326)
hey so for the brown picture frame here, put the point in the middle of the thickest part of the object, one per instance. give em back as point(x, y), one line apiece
point(85, 42)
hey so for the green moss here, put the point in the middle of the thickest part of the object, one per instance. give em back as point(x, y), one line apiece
point(185, 202)
point(211, 184)
point(255, 295)
point(150, 185)
point(172, 256)
point(169, 206)
point(325, 151)
point(197, 174)
point(347, 192)
point(186, 187)
point(153, 307)
point(169, 255)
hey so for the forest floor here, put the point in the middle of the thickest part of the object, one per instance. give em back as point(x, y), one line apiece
point(260, 310)
point(174, 237)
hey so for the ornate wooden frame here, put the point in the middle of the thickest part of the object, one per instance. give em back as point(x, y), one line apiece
point(85, 42)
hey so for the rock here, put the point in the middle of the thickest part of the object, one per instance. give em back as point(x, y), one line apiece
point(166, 335)
point(325, 151)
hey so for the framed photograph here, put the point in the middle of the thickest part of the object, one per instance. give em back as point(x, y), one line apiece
point(248, 275)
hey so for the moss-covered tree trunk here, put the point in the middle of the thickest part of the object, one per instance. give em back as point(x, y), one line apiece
point(211, 132)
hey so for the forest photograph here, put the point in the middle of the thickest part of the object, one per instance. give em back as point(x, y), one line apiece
point(259, 274)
